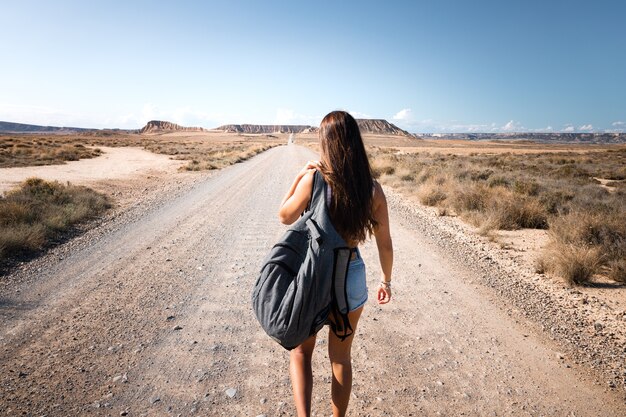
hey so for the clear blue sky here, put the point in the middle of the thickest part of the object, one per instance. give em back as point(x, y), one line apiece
point(428, 66)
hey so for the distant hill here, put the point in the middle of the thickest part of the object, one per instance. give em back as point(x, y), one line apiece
point(156, 126)
point(373, 126)
point(9, 127)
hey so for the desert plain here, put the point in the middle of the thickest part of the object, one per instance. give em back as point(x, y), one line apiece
point(146, 309)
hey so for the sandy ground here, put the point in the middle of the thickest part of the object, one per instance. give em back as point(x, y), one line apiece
point(116, 164)
point(149, 314)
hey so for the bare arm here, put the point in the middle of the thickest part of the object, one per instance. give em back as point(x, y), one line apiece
point(383, 242)
point(298, 196)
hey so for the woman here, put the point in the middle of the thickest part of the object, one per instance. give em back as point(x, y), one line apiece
point(358, 208)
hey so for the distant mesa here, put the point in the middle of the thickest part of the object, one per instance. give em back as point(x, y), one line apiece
point(371, 126)
point(264, 129)
point(380, 127)
point(159, 126)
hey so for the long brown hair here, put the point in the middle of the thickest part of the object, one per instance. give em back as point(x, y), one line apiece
point(347, 170)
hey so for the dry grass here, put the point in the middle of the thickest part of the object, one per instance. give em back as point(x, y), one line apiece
point(576, 264)
point(204, 151)
point(506, 191)
point(34, 150)
point(220, 158)
point(39, 211)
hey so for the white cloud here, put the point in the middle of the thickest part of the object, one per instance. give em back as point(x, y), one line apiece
point(184, 116)
point(45, 116)
point(404, 114)
point(359, 115)
point(513, 126)
point(587, 127)
point(568, 128)
point(291, 117)
point(618, 124)
point(284, 116)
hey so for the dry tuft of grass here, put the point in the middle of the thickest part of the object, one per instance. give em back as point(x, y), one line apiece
point(582, 243)
point(39, 211)
point(575, 264)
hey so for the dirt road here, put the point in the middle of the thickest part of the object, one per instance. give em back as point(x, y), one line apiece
point(153, 318)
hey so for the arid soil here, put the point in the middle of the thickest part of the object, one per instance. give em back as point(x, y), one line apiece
point(149, 313)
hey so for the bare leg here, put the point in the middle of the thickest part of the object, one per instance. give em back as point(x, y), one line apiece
point(302, 376)
point(341, 362)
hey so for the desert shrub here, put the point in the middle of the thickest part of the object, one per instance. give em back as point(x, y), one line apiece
point(556, 200)
point(526, 187)
point(506, 211)
point(587, 234)
point(39, 211)
point(498, 181)
point(617, 270)
point(431, 193)
point(571, 170)
point(481, 175)
point(575, 264)
point(383, 166)
point(466, 197)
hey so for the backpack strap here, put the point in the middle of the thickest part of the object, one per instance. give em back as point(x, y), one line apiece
point(318, 194)
point(319, 187)
point(340, 325)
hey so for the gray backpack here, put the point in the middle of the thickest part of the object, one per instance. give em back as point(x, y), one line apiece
point(302, 280)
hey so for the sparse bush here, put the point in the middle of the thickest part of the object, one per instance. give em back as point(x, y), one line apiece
point(506, 211)
point(617, 270)
point(38, 211)
point(383, 166)
point(575, 264)
point(469, 197)
point(498, 181)
point(526, 187)
point(431, 194)
point(587, 235)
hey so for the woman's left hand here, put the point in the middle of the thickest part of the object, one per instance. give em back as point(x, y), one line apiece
point(384, 294)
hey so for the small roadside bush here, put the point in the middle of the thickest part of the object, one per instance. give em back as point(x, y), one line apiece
point(39, 211)
point(431, 193)
point(584, 243)
point(575, 264)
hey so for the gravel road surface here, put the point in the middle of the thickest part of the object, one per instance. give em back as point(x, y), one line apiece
point(149, 314)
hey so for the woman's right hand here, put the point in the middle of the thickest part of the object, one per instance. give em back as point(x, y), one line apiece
point(309, 165)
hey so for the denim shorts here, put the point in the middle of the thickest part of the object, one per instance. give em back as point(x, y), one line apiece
point(356, 285)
